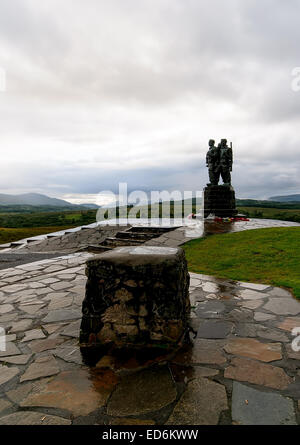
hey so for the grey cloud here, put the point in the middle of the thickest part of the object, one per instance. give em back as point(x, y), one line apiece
point(132, 90)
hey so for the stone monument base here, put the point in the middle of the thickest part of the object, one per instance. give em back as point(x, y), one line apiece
point(136, 296)
point(220, 201)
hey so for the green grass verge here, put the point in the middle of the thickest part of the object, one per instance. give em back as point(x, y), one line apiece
point(268, 256)
point(10, 235)
point(271, 213)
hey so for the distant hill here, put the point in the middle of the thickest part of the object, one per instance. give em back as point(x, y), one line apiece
point(286, 198)
point(90, 206)
point(32, 199)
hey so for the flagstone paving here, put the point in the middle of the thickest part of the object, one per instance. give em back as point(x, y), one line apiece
point(82, 238)
point(238, 368)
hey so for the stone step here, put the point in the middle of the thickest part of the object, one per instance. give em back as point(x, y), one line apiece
point(97, 248)
point(145, 236)
point(17, 244)
point(117, 242)
point(152, 230)
point(5, 246)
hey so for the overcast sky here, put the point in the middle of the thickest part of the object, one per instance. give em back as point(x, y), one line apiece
point(100, 92)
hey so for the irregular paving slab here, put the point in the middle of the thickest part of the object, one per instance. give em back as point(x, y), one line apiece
point(33, 418)
point(253, 286)
point(10, 349)
point(214, 329)
point(252, 348)
point(5, 308)
point(195, 282)
point(261, 316)
point(271, 334)
point(69, 353)
point(72, 330)
point(142, 392)
point(31, 309)
point(42, 367)
point(182, 373)
point(53, 327)
point(4, 405)
point(14, 288)
point(36, 285)
point(291, 353)
point(251, 304)
point(61, 315)
point(253, 407)
point(75, 391)
point(246, 329)
point(279, 292)
point(289, 324)
point(17, 360)
point(10, 337)
point(7, 374)
point(240, 315)
point(208, 352)
point(61, 285)
point(201, 404)
point(249, 294)
point(21, 326)
point(210, 287)
point(283, 306)
point(60, 303)
point(34, 334)
point(293, 390)
point(45, 345)
point(49, 280)
point(210, 309)
point(201, 371)
point(257, 373)
point(18, 394)
point(5, 319)
point(58, 295)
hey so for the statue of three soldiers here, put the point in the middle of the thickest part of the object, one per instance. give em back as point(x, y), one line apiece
point(219, 162)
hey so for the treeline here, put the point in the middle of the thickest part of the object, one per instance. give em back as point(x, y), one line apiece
point(83, 217)
point(267, 204)
point(271, 213)
point(37, 209)
point(45, 219)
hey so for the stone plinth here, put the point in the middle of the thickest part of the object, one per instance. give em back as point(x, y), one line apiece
point(220, 201)
point(136, 296)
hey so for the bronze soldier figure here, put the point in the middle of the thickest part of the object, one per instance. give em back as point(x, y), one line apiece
point(225, 162)
point(212, 162)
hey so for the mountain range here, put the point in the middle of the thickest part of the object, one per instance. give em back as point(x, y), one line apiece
point(37, 199)
point(286, 198)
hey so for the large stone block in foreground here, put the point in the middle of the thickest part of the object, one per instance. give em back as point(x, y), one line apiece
point(220, 201)
point(136, 296)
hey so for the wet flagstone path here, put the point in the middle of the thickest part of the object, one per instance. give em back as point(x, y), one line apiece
point(239, 369)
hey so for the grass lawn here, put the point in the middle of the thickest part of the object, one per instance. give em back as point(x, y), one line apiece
point(10, 235)
point(267, 256)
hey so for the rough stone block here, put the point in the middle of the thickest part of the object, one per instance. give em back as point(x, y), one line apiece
point(220, 201)
point(136, 296)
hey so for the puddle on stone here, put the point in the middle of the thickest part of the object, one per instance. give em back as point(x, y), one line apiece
point(126, 359)
point(103, 379)
point(212, 227)
point(183, 374)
